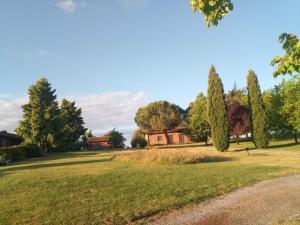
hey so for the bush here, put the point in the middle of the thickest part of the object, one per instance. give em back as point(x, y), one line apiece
point(138, 142)
point(19, 152)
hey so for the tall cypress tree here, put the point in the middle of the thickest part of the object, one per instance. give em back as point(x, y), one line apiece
point(217, 112)
point(40, 123)
point(259, 124)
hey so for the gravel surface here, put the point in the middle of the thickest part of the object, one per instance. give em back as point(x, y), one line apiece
point(268, 202)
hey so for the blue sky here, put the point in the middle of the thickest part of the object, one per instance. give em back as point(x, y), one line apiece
point(147, 49)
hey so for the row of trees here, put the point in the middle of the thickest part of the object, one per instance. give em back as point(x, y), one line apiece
point(48, 125)
point(219, 115)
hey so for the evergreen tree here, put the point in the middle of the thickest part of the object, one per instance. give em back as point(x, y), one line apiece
point(198, 126)
point(40, 123)
point(217, 112)
point(258, 117)
point(116, 138)
point(71, 125)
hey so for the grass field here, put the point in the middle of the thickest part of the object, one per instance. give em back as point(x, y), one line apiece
point(115, 187)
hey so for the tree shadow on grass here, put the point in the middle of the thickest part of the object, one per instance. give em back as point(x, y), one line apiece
point(51, 165)
point(284, 145)
point(210, 159)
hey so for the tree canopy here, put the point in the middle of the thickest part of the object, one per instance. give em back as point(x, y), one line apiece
point(198, 126)
point(159, 116)
point(116, 138)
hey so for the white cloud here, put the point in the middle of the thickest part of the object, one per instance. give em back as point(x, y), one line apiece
point(101, 112)
point(68, 6)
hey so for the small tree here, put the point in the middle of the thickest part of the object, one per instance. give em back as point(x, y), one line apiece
point(138, 140)
point(198, 126)
point(116, 138)
point(71, 125)
point(159, 116)
point(238, 119)
point(258, 117)
point(217, 112)
point(237, 94)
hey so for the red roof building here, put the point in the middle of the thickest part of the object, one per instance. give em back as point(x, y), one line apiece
point(95, 143)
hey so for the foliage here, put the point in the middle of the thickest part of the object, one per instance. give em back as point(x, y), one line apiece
point(88, 134)
point(198, 126)
point(116, 138)
point(72, 125)
point(238, 118)
point(40, 123)
point(16, 153)
point(138, 140)
point(258, 117)
point(290, 62)
point(236, 94)
point(159, 116)
point(291, 106)
point(217, 113)
point(277, 122)
point(213, 10)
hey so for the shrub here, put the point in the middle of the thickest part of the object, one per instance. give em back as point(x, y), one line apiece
point(19, 152)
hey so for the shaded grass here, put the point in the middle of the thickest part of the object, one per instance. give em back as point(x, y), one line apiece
point(92, 188)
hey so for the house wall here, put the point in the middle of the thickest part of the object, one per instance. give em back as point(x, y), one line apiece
point(7, 141)
point(160, 139)
point(99, 145)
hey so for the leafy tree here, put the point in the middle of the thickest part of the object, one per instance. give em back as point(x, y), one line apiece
point(40, 123)
point(217, 113)
point(159, 116)
point(138, 140)
point(237, 94)
point(72, 124)
point(88, 134)
point(116, 138)
point(274, 103)
point(198, 126)
point(213, 10)
point(290, 62)
point(259, 124)
point(291, 106)
point(238, 118)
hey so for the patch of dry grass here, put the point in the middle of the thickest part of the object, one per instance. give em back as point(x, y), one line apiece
point(172, 156)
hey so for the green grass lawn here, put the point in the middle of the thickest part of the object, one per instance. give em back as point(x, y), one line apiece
point(99, 188)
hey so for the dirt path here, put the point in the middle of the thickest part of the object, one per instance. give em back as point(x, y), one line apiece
point(265, 203)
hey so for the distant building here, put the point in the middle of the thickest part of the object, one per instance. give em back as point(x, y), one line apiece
point(176, 136)
point(95, 143)
point(8, 139)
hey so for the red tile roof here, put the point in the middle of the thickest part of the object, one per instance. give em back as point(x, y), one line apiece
point(98, 139)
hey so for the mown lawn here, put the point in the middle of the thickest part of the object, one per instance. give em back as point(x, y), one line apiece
point(99, 188)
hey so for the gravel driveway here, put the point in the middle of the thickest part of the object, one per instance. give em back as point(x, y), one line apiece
point(268, 202)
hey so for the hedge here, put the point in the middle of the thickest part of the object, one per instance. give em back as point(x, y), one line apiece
point(19, 152)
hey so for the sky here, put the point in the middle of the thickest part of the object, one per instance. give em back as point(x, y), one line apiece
point(114, 56)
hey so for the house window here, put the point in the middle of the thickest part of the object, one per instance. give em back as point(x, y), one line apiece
point(171, 140)
point(181, 138)
point(159, 138)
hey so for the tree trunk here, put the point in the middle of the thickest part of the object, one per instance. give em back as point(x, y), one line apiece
point(295, 136)
point(237, 139)
point(167, 137)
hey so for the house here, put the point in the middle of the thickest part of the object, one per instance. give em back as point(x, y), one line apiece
point(9, 139)
point(102, 142)
point(176, 136)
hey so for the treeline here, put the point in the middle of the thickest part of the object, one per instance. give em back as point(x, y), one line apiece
point(274, 113)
